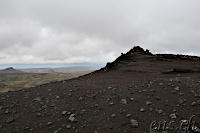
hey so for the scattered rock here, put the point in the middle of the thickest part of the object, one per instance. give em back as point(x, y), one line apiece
point(113, 115)
point(56, 131)
point(68, 126)
point(109, 87)
point(142, 110)
point(49, 123)
point(80, 99)
point(111, 103)
point(152, 131)
point(128, 115)
point(196, 130)
point(82, 111)
point(10, 119)
point(193, 103)
point(123, 101)
point(148, 103)
point(134, 123)
point(173, 116)
point(6, 112)
point(64, 112)
point(177, 88)
point(159, 111)
point(38, 114)
point(198, 102)
point(71, 118)
point(96, 105)
point(131, 99)
point(37, 99)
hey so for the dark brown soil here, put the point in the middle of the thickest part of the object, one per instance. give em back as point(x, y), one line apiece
point(95, 99)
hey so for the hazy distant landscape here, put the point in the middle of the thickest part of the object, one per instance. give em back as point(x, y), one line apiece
point(12, 79)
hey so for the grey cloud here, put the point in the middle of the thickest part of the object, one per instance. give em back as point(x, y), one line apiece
point(95, 31)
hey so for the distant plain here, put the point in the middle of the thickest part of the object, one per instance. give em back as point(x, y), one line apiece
point(26, 78)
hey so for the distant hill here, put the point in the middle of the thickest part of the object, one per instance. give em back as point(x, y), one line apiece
point(10, 70)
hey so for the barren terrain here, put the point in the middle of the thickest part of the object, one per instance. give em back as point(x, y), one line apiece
point(133, 94)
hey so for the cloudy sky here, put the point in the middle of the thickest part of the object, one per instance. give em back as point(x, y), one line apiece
point(71, 31)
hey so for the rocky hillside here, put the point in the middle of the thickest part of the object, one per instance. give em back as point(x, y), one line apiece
point(138, 92)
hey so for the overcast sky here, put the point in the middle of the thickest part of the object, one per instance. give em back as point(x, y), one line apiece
point(70, 31)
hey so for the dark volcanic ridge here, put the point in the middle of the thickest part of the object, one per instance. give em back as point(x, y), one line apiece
point(129, 56)
point(138, 92)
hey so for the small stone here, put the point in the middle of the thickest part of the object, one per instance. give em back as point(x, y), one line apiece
point(56, 131)
point(68, 126)
point(180, 94)
point(82, 111)
point(49, 123)
point(152, 131)
point(96, 105)
point(80, 99)
point(157, 98)
point(38, 114)
point(109, 87)
point(142, 110)
point(111, 103)
point(177, 88)
point(148, 103)
point(113, 115)
point(131, 99)
point(173, 91)
point(10, 119)
point(196, 130)
point(123, 101)
point(159, 111)
point(64, 112)
point(173, 116)
point(181, 101)
point(68, 113)
point(134, 123)
point(37, 99)
point(71, 118)
point(14, 112)
point(123, 123)
point(128, 115)
point(193, 103)
point(6, 112)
